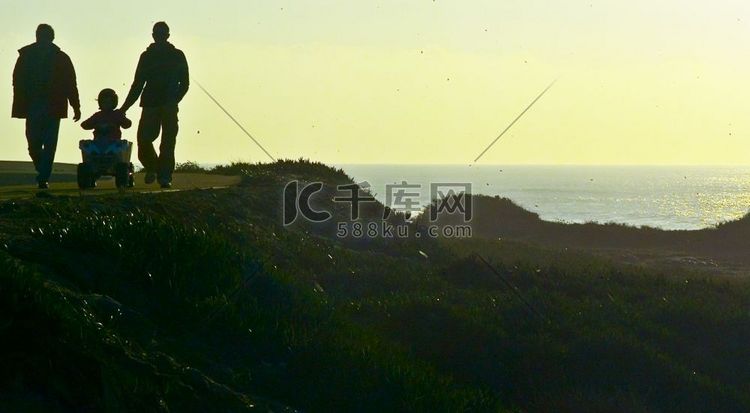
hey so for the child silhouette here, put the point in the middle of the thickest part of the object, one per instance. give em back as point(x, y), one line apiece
point(107, 122)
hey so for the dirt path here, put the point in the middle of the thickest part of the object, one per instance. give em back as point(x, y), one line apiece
point(107, 186)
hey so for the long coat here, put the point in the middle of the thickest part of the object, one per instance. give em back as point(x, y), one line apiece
point(44, 75)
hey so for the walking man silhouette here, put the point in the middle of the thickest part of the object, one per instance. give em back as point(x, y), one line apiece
point(44, 82)
point(161, 81)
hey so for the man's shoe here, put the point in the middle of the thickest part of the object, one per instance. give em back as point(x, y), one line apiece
point(150, 178)
point(166, 185)
point(43, 185)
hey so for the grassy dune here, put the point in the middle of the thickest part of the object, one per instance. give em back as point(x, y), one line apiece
point(201, 301)
point(723, 248)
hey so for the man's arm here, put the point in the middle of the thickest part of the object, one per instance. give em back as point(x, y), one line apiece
point(18, 73)
point(184, 78)
point(124, 121)
point(19, 86)
point(73, 97)
point(136, 88)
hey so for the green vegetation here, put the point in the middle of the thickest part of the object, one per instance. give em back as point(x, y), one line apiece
point(189, 167)
point(201, 301)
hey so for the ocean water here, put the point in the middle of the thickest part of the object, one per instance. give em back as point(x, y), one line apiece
point(668, 197)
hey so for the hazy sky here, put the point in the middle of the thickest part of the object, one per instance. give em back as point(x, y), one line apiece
point(420, 81)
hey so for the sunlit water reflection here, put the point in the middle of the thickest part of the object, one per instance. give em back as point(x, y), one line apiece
point(668, 197)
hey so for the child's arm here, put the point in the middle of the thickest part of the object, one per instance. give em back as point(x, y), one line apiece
point(89, 123)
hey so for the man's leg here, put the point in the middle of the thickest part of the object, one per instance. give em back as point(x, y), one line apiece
point(34, 140)
point(49, 148)
point(148, 131)
point(41, 135)
point(168, 142)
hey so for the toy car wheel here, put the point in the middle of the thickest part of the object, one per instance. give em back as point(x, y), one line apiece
point(85, 176)
point(122, 175)
point(131, 177)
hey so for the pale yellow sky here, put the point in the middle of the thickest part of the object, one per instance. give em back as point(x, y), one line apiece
point(421, 81)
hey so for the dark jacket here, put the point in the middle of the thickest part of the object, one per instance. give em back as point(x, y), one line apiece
point(44, 75)
point(161, 77)
point(106, 124)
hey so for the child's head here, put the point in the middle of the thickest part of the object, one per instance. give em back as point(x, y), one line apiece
point(107, 99)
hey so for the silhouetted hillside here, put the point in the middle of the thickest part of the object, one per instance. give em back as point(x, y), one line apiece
point(500, 218)
point(202, 301)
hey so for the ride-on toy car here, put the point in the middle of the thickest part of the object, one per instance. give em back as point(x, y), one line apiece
point(111, 158)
